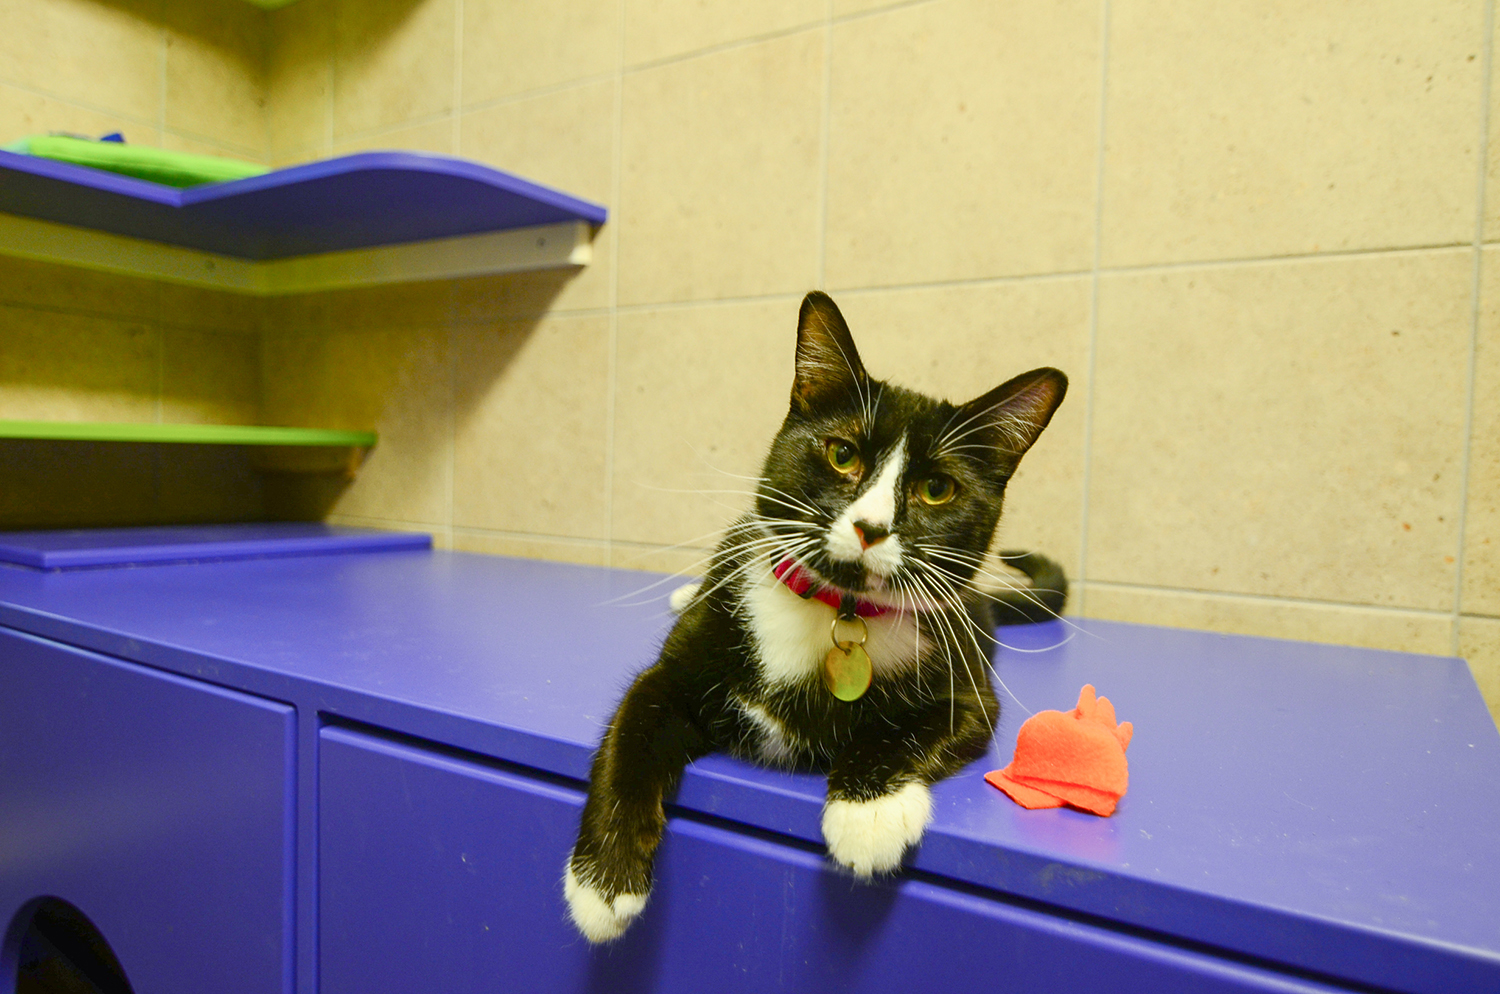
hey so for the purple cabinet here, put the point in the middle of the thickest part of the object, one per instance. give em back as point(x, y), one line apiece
point(349, 773)
point(158, 806)
point(442, 873)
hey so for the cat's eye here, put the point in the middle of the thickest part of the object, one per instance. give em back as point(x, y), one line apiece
point(937, 489)
point(842, 456)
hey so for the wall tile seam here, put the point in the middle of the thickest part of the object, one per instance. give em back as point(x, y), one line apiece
point(380, 131)
point(245, 151)
point(707, 302)
point(455, 113)
point(1475, 320)
point(211, 328)
point(300, 155)
point(634, 552)
point(480, 532)
point(1254, 260)
point(749, 41)
point(1268, 599)
point(872, 12)
point(829, 20)
point(1115, 271)
point(406, 523)
point(538, 92)
point(123, 316)
point(712, 302)
point(1091, 370)
point(154, 124)
point(161, 97)
point(161, 388)
point(450, 345)
point(825, 122)
point(975, 282)
point(612, 326)
point(515, 317)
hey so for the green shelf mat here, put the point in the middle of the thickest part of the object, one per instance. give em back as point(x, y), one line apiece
point(101, 431)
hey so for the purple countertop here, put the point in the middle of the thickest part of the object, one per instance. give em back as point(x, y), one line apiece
point(1333, 810)
point(356, 201)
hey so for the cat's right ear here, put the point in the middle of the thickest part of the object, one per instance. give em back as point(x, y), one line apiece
point(828, 366)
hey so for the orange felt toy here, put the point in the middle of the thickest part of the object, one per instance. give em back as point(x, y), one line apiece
point(1075, 757)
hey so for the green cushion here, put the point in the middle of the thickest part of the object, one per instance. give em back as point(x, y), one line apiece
point(155, 164)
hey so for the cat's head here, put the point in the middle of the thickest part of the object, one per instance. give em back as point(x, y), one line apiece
point(880, 490)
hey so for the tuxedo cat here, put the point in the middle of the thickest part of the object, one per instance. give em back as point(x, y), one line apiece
point(839, 626)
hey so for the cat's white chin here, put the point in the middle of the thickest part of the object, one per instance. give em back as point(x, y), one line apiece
point(870, 837)
point(598, 918)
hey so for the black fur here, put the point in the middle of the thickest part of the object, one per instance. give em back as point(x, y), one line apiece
point(915, 725)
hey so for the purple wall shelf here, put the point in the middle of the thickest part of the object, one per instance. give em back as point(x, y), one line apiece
point(370, 218)
point(96, 547)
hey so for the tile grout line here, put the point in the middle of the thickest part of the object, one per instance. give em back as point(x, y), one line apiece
point(612, 366)
point(1080, 274)
point(456, 112)
point(540, 92)
point(161, 360)
point(268, 39)
point(456, 137)
point(330, 69)
point(821, 279)
point(93, 108)
point(161, 95)
point(160, 336)
point(1093, 347)
point(645, 548)
point(1475, 304)
point(829, 20)
point(1271, 599)
point(727, 46)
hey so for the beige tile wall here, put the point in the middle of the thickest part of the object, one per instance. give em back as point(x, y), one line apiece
point(83, 346)
point(1253, 235)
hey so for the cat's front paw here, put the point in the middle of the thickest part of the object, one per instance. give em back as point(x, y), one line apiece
point(869, 837)
point(683, 596)
point(600, 916)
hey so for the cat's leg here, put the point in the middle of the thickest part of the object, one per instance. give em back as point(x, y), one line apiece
point(649, 741)
point(879, 801)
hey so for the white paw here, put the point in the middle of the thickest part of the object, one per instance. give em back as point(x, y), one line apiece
point(869, 837)
point(683, 596)
point(599, 920)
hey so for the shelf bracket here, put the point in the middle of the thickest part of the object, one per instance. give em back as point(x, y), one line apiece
point(553, 246)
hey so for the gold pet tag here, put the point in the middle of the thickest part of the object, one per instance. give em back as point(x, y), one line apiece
point(846, 671)
point(846, 668)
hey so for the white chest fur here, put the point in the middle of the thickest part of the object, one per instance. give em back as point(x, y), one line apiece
point(793, 638)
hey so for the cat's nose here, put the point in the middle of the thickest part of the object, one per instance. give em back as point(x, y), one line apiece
point(869, 534)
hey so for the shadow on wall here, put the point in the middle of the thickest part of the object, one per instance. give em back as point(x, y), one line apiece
point(410, 363)
point(55, 484)
point(382, 359)
point(206, 22)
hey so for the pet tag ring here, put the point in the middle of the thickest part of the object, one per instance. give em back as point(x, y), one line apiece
point(846, 668)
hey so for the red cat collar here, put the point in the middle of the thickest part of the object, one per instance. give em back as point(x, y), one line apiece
point(801, 583)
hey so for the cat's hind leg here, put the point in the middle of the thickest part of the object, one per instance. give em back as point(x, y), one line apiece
point(649, 741)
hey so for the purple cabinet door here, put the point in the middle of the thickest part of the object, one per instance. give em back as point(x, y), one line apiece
point(158, 806)
point(441, 874)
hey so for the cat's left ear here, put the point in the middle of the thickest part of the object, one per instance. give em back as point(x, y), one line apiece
point(1010, 417)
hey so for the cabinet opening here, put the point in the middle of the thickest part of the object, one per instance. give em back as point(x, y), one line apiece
point(58, 950)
